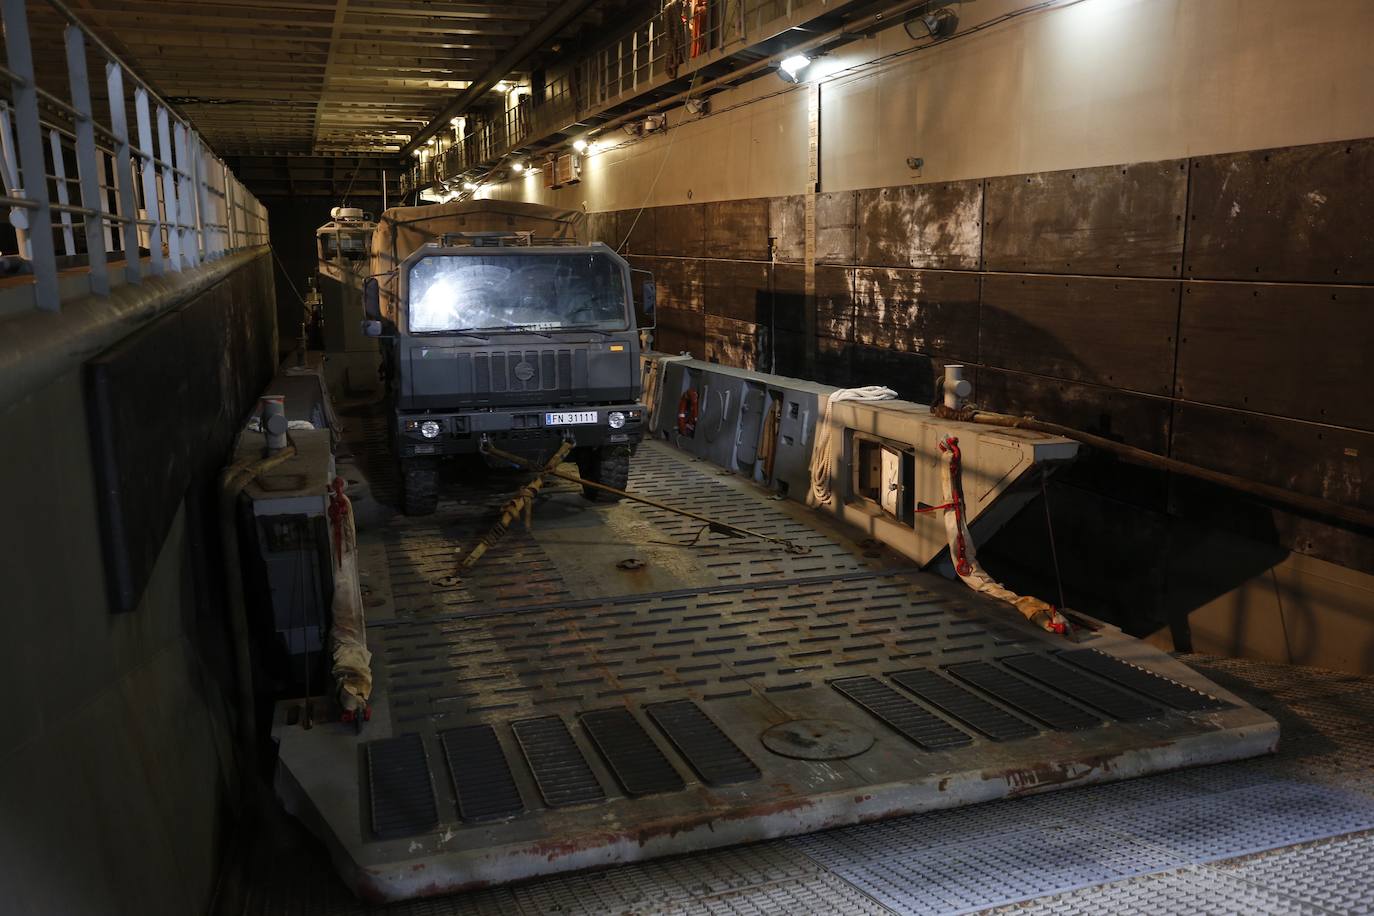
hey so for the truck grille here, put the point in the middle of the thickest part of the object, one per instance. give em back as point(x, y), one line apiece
point(518, 371)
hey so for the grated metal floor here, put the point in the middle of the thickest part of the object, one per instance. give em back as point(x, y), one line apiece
point(556, 702)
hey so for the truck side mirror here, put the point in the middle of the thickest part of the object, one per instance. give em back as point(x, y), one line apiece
point(372, 299)
point(647, 304)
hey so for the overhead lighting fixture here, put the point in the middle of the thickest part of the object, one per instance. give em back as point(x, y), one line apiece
point(469, 186)
point(416, 154)
point(580, 145)
point(697, 106)
point(792, 67)
point(517, 167)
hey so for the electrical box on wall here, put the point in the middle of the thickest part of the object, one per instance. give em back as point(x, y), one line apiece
point(562, 170)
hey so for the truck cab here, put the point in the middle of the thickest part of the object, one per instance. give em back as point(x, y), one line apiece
point(504, 338)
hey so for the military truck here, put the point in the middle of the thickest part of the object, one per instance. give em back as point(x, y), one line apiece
point(499, 325)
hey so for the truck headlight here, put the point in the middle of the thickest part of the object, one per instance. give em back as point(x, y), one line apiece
point(616, 419)
point(429, 429)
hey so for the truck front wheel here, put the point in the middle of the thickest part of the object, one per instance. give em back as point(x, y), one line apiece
point(419, 485)
point(609, 465)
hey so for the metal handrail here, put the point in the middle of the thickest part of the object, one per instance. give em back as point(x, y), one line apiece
point(146, 182)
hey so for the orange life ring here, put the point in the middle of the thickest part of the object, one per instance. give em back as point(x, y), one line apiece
point(687, 413)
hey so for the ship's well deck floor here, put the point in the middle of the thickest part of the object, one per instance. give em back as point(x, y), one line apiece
point(558, 712)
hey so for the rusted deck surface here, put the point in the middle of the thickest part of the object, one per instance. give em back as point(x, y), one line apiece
point(558, 711)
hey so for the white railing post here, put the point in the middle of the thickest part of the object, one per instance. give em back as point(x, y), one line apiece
point(169, 189)
point(156, 262)
point(59, 171)
point(38, 219)
point(124, 171)
point(87, 163)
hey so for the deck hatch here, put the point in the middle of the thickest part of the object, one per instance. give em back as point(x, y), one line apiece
point(911, 720)
point(481, 774)
point(560, 770)
point(639, 766)
point(960, 703)
point(400, 787)
point(709, 751)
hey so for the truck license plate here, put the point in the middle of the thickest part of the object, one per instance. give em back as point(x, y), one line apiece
point(570, 419)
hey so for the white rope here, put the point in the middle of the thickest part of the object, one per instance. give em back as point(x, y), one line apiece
point(822, 464)
point(974, 575)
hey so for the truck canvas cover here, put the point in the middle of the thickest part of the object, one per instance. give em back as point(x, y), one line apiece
point(402, 230)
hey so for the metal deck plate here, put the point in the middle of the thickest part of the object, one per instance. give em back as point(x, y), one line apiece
point(628, 705)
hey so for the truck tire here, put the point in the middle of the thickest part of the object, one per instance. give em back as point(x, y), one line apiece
point(419, 486)
point(609, 465)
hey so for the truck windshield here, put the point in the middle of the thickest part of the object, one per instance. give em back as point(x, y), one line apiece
point(492, 292)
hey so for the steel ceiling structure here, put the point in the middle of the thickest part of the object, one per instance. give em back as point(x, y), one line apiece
point(310, 76)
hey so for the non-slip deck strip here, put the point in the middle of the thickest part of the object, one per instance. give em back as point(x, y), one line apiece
point(709, 751)
point(400, 788)
point(1024, 696)
point(633, 757)
point(959, 703)
point(1155, 686)
point(560, 770)
point(1087, 690)
point(481, 774)
point(905, 716)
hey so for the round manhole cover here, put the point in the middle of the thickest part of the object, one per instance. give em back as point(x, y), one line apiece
point(817, 739)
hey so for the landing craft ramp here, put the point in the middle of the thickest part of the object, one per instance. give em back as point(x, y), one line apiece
point(563, 709)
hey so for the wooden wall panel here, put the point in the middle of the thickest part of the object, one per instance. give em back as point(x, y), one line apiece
point(917, 311)
point(911, 375)
point(737, 289)
point(1114, 414)
point(789, 298)
point(1329, 462)
point(680, 331)
point(834, 303)
point(635, 231)
point(835, 227)
point(678, 282)
point(1293, 350)
point(602, 227)
point(730, 342)
point(680, 231)
point(787, 228)
point(1333, 463)
point(1113, 220)
point(1108, 412)
point(737, 229)
point(929, 225)
point(1102, 330)
point(1305, 213)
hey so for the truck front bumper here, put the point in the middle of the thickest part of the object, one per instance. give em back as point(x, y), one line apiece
point(517, 429)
